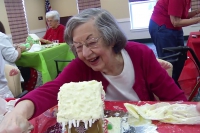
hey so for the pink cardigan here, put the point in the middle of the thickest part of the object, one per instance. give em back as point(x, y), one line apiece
point(149, 78)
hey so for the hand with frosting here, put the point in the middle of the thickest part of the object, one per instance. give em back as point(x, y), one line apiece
point(14, 122)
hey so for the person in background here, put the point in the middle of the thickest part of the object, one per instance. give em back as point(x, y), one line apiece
point(55, 31)
point(128, 71)
point(10, 53)
point(165, 27)
point(4, 89)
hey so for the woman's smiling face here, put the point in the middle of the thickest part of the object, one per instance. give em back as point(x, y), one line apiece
point(90, 47)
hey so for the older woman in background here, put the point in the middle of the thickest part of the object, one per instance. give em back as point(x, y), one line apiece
point(128, 71)
point(55, 31)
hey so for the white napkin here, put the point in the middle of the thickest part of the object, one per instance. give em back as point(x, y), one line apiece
point(35, 47)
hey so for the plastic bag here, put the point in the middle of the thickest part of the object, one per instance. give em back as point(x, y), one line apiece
point(166, 112)
point(6, 107)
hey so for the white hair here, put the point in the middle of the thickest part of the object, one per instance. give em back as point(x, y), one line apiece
point(54, 14)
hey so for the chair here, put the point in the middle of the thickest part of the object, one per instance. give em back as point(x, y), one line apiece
point(12, 75)
point(181, 54)
point(168, 67)
point(57, 66)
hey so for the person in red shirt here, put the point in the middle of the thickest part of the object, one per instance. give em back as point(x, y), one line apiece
point(55, 31)
point(165, 27)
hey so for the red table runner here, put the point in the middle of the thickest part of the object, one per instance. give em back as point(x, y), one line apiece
point(46, 122)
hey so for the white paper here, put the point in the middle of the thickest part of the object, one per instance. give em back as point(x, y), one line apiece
point(35, 47)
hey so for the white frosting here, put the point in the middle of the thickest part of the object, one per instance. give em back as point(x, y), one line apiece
point(116, 124)
point(80, 101)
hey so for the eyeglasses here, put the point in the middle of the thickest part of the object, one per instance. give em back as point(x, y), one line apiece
point(89, 43)
point(50, 21)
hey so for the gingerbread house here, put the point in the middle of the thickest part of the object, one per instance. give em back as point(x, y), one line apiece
point(81, 107)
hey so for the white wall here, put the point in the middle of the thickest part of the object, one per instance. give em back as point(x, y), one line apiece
point(142, 34)
point(131, 35)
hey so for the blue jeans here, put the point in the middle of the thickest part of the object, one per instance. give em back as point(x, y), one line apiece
point(162, 38)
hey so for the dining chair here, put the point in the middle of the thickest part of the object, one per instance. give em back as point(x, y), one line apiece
point(181, 53)
point(57, 61)
point(168, 67)
point(12, 75)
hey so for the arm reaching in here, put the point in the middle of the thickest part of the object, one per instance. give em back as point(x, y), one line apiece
point(44, 41)
point(17, 120)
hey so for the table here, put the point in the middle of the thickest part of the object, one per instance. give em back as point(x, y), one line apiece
point(47, 120)
point(43, 61)
point(162, 127)
point(189, 74)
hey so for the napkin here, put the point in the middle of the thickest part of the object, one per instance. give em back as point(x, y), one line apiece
point(35, 47)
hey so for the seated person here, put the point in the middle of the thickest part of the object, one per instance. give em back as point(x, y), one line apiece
point(4, 89)
point(11, 54)
point(55, 31)
point(128, 71)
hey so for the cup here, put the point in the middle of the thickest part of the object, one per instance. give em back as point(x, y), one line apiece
point(55, 41)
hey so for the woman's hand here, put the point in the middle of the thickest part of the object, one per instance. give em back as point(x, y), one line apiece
point(15, 122)
point(198, 106)
point(45, 41)
point(23, 48)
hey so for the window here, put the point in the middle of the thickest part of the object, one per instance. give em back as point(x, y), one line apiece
point(140, 13)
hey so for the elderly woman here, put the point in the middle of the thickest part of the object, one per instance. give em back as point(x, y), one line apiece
point(55, 31)
point(165, 27)
point(128, 71)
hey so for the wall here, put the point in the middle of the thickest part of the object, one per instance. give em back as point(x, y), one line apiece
point(118, 8)
point(34, 9)
point(144, 34)
point(64, 7)
point(4, 17)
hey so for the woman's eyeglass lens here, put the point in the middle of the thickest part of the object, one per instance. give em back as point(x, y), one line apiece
point(90, 43)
